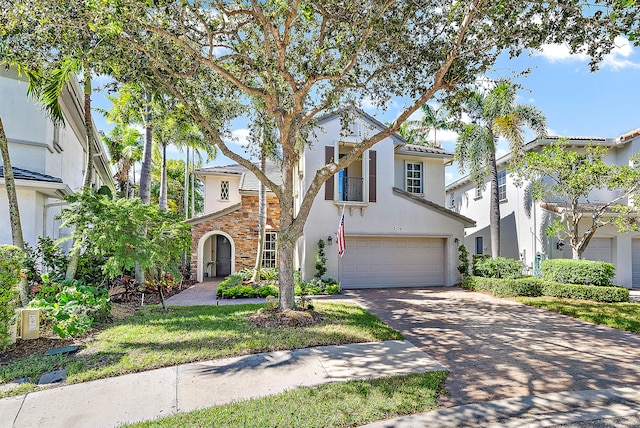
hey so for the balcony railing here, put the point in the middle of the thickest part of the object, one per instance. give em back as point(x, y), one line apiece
point(350, 189)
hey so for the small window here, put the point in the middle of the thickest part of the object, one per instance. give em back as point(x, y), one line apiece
point(502, 185)
point(479, 245)
point(413, 176)
point(224, 190)
point(452, 200)
point(270, 250)
point(478, 192)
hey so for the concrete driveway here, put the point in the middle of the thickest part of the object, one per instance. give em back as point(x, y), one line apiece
point(497, 348)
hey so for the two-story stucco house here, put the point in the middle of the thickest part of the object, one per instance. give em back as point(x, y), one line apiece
point(48, 161)
point(524, 221)
point(398, 233)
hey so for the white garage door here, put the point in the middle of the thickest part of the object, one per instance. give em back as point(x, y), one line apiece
point(392, 262)
point(598, 249)
point(635, 262)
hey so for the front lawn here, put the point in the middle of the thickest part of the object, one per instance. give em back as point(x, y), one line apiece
point(153, 339)
point(332, 405)
point(624, 316)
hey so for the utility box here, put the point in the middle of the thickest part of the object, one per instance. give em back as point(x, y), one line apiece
point(30, 324)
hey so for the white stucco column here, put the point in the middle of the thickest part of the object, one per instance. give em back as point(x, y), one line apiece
point(622, 260)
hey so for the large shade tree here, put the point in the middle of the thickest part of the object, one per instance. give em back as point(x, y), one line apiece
point(494, 114)
point(302, 59)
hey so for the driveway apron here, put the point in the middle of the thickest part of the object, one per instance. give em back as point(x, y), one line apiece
point(498, 348)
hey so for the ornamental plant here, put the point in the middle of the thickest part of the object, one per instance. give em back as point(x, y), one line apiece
point(11, 258)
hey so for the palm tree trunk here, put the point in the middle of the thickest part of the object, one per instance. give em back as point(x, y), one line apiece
point(14, 213)
point(162, 204)
point(193, 185)
point(74, 259)
point(186, 186)
point(494, 217)
point(145, 171)
point(262, 219)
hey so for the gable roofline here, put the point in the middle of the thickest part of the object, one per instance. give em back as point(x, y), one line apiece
point(539, 142)
point(424, 151)
point(214, 215)
point(398, 139)
point(466, 221)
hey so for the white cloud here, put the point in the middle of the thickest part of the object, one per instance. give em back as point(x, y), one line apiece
point(239, 137)
point(370, 104)
point(616, 59)
point(501, 152)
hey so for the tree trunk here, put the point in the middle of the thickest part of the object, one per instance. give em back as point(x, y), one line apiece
point(14, 212)
point(494, 219)
point(262, 220)
point(74, 259)
point(286, 246)
point(145, 170)
point(88, 126)
point(193, 185)
point(186, 186)
point(162, 203)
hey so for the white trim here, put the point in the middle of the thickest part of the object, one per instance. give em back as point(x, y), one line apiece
point(199, 269)
point(422, 186)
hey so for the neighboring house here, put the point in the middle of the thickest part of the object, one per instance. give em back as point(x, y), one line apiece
point(48, 161)
point(398, 233)
point(524, 221)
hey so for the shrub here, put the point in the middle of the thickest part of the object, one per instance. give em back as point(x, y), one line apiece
point(477, 259)
point(500, 267)
point(569, 271)
point(11, 258)
point(316, 287)
point(70, 306)
point(463, 256)
point(233, 288)
point(597, 293)
point(535, 287)
point(321, 261)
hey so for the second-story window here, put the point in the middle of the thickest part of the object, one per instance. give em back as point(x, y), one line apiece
point(269, 255)
point(452, 200)
point(413, 177)
point(478, 192)
point(502, 185)
point(224, 190)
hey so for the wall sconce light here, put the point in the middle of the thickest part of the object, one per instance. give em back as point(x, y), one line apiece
point(560, 245)
point(456, 241)
point(329, 240)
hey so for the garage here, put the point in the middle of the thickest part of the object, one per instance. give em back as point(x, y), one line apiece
point(598, 249)
point(392, 262)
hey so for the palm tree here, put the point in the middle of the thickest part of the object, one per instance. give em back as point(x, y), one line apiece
point(494, 115)
point(417, 131)
point(125, 150)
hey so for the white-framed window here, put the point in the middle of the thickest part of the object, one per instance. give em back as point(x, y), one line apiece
point(502, 185)
point(413, 177)
point(478, 192)
point(270, 252)
point(479, 245)
point(224, 190)
point(452, 200)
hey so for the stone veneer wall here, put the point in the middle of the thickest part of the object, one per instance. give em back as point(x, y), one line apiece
point(242, 226)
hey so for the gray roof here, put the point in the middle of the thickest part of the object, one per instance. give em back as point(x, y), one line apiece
point(425, 149)
point(25, 174)
point(248, 182)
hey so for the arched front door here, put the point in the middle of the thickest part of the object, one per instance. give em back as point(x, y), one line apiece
point(216, 254)
point(222, 256)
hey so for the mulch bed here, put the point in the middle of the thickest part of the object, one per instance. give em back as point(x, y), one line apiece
point(285, 319)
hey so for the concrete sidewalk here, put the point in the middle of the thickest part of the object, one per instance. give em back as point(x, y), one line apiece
point(156, 393)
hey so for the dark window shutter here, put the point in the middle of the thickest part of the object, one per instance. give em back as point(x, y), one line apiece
point(328, 185)
point(372, 176)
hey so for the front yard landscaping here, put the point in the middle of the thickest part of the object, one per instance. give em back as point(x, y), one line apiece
point(153, 339)
point(332, 405)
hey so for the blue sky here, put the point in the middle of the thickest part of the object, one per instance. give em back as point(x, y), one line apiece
point(576, 101)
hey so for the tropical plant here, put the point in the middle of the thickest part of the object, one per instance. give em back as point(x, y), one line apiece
point(125, 149)
point(433, 119)
point(11, 258)
point(494, 114)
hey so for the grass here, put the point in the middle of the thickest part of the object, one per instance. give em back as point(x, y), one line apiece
point(333, 405)
point(623, 316)
point(153, 339)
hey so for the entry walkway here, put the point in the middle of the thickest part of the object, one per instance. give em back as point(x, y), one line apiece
point(156, 393)
point(204, 293)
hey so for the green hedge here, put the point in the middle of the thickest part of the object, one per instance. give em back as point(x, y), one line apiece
point(569, 271)
point(500, 267)
point(10, 264)
point(233, 287)
point(535, 287)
